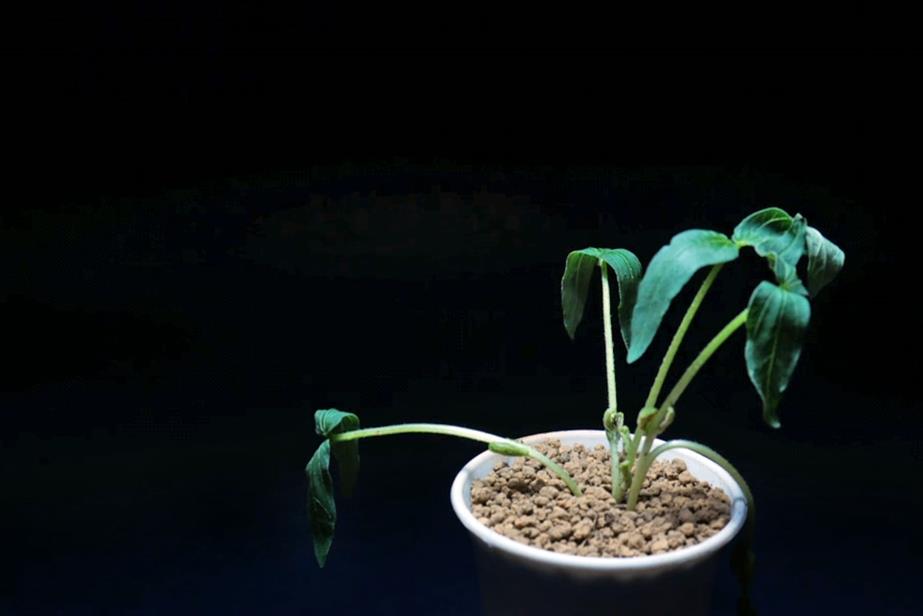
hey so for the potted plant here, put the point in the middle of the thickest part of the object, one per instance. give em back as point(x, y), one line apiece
point(576, 521)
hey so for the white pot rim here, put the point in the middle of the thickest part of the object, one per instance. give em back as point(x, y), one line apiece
point(666, 560)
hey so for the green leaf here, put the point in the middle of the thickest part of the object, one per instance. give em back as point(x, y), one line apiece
point(578, 271)
point(669, 271)
point(795, 236)
point(321, 505)
point(332, 421)
point(825, 260)
point(320, 501)
point(787, 275)
point(776, 323)
point(772, 231)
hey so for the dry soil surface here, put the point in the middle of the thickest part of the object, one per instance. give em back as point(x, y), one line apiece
point(526, 502)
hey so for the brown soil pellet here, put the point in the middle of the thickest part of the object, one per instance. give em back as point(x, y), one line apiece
point(526, 502)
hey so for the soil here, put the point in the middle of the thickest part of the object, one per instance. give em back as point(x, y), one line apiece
point(529, 504)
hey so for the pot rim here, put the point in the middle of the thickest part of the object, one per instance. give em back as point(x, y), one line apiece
point(598, 563)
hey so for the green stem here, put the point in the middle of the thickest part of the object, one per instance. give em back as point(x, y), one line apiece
point(743, 557)
point(613, 436)
point(468, 433)
point(417, 428)
point(701, 358)
point(609, 419)
point(557, 470)
point(718, 459)
point(607, 328)
point(633, 447)
point(648, 437)
point(644, 461)
point(679, 335)
point(637, 479)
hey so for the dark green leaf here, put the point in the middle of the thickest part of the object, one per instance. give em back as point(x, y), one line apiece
point(825, 260)
point(787, 275)
point(772, 231)
point(332, 421)
point(669, 270)
point(775, 330)
point(578, 271)
point(791, 252)
point(321, 505)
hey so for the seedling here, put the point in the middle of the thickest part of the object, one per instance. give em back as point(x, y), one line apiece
point(775, 320)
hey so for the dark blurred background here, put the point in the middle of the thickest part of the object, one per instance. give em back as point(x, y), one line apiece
point(206, 240)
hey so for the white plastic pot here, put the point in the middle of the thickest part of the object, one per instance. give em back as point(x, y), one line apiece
point(520, 579)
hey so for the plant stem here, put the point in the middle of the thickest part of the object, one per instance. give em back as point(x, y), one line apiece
point(614, 461)
point(607, 328)
point(557, 469)
point(718, 459)
point(637, 479)
point(654, 393)
point(644, 460)
point(703, 357)
point(417, 428)
point(679, 335)
point(468, 433)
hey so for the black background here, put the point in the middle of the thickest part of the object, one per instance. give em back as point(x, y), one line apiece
point(216, 226)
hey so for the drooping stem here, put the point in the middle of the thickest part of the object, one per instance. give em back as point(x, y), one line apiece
point(718, 459)
point(703, 357)
point(645, 459)
point(557, 470)
point(506, 445)
point(607, 328)
point(743, 559)
point(679, 335)
point(417, 428)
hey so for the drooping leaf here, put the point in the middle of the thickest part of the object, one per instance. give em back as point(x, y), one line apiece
point(825, 260)
point(333, 421)
point(786, 275)
point(669, 271)
point(796, 237)
point(775, 331)
point(773, 231)
point(321, 505)
point(578, 272)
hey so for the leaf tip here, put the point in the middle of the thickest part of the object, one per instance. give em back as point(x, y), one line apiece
point(320, 555)
point(770, 417)
point(638, 343)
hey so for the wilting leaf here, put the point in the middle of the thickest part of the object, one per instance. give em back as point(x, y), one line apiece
point(825, 260)
point(773, 231)
point(332, 421)
point(578, 272)
point(787, 275)
point(320, 501)
point(775, 330)
point(321, 504)
point(669, 271)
